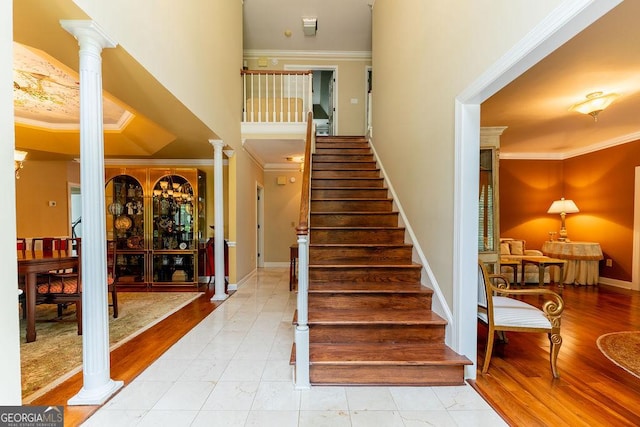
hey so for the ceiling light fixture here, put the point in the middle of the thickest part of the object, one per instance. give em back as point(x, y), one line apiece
point(595, 103)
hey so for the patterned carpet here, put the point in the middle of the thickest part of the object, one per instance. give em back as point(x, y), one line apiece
point(623, 349)
point(57, 352)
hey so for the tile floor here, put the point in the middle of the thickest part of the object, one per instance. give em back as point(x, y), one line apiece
point(233, 370)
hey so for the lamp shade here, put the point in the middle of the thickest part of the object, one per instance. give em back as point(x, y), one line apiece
point(563, 206)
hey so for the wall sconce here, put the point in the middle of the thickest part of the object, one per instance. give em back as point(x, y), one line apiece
point(595, 103)
point(18, 158)
point(563, 207)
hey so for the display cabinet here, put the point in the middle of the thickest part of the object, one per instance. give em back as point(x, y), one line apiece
point(125, 203)
point(174, 222)
point(156, 218)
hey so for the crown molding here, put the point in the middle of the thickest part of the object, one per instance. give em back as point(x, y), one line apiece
point(161, 162)
point(316, 54)
point(613, 142)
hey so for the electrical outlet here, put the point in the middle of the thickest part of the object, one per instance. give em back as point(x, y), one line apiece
point(609, 262)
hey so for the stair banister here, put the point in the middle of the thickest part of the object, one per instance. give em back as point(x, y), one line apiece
point(302, 327)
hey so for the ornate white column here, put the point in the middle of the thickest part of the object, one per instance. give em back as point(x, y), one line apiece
point(218, 220)
point(97, 385)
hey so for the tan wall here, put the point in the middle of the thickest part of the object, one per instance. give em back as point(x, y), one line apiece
point(600, 183)
point(246, 203)
point(426, 53)
point(39, 183)
point(281, 214)
point(351, 84)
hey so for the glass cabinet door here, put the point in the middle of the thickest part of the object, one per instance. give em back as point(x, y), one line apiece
point(125, 212)
point(173, 211)
point(125, 229)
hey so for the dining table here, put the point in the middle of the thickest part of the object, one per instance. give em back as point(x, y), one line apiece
point(32, 263)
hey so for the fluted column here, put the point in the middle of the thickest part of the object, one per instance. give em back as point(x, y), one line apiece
point(97, 384)
point(218, 220)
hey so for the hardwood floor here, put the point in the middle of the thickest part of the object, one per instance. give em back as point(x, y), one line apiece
point(591, 390)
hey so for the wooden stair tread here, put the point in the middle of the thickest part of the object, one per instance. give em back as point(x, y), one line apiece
point(365, 228)
point(354, 213)
point(360, 245)
point(390, 316)
point(349, 199)
point(371, 266)
point(385, 354)
point(369, 287)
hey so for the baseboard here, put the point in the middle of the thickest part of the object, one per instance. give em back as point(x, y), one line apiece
point(615, 282)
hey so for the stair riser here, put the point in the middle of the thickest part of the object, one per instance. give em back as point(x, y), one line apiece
point(342, 146)
point(350, 193)
point(364, 274)
point(377, 333)
point(360, 173)
point(357, 236)
point(343, 151)
point(372, 301)
point(351, 205)
point(386, 375)
point(362, 182)
point(343, 165)
point(342, 157)
point(360, 255)
point(354, 220)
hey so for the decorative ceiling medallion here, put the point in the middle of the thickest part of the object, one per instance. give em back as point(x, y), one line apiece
point(46, 93)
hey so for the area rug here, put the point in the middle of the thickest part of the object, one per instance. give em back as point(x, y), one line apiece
point(56, 354)
point(623, 349)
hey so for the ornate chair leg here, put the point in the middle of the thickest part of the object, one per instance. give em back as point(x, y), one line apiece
point(488, 351)
point(556, 342)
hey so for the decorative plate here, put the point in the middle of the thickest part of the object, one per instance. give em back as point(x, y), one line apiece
point(183, 246)
point(122, 222)
point(134, 242)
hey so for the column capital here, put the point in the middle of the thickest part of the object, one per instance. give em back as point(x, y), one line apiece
point(229, 153)
point(86, 29)
point(217, 143)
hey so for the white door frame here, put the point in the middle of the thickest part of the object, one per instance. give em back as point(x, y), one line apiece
point(564, 22)
point(635, 257)
point(333, 68)
point(259, 225)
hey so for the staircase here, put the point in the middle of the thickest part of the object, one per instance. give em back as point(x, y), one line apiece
point(370, 320)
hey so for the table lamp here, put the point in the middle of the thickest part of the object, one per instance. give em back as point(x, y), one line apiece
point(563, 207)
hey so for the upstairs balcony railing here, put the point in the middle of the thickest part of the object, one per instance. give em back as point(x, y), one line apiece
point(276, 96)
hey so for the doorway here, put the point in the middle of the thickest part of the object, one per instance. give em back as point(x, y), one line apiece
point(75, 210)
point(325, 93)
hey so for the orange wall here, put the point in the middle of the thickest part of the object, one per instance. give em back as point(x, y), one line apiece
point(600, 183)
point(39, 183)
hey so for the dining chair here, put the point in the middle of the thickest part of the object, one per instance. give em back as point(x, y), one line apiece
point(112, 276)
point(63, 287)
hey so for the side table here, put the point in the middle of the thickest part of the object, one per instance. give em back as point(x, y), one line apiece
point(542, 262)
point(583, 260)
point(513, 264)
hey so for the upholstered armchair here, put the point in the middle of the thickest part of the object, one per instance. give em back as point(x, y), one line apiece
point(515, 249)
point(499, 309)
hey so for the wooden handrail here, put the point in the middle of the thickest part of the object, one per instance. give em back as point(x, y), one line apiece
point(303, 221)
point(277, 72)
